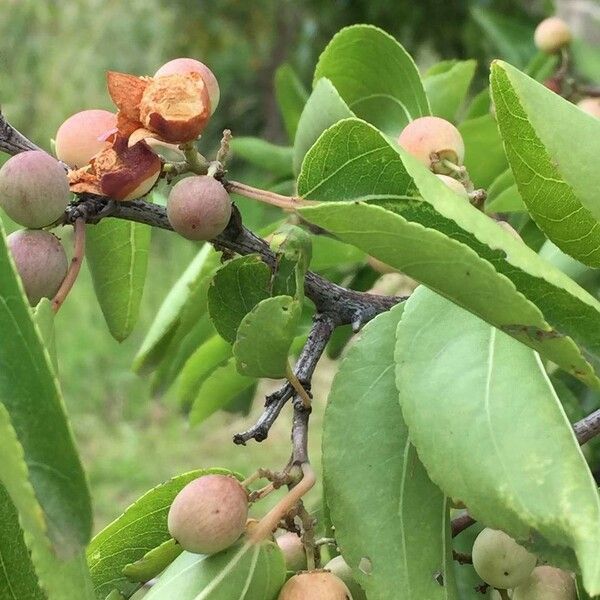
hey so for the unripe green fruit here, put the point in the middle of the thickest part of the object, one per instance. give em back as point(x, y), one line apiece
point(40, 260)
point(340, 568)
point(546, 583)
point(590, 106)
point(209, 514)
point(320, 585)
point(190, 65)
point(500, 561)
point(78, 139)
point(34, 189)
point(293, 551)
point(428, 137)
point(199, 208)
point(454, 185)
point(551, 35)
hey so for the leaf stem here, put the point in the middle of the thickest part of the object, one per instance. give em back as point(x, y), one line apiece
point(287, 202)
point(295, 382)
point(74, 267)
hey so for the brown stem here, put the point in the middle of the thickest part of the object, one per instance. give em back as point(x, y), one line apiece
point(74, 267)
point(588, 427)
point(462, 522)
point(289, 202)
point(270, 521)
point(461, 558)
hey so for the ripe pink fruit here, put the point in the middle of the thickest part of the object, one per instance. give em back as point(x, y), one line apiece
point(209, 514)
point(190, 65)
point(430, 138)
point(293, 551)
point(590, 106)
point(454, 185)
point(315, 584)
point(34, 189)
point(77, 139)
point(551, 35)
point(40, 260)
point(199, 208)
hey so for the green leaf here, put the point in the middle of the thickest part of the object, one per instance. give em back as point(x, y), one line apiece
point(586, 58)
point(153, 563)
point(375, 76)
point(18, 580)
point(324, 108)
point(292, 246)
point(447, 84)
point(265, 336)
point(446, 244)
point(503, 195)
point(140, 529)
point(511, 38)
point(549, 143)
point(291, 97)
point(117, 255)
point(484, 154)
point(251, 572)
point(43, 317)
point(260, 153)
point(62, 577)
point(480, 105)
point(238, 286)
point(206, 358)
point(328, 253)
point(30, 394)
point(217, 390)
point(182, 346)
point(467, 389)
point(169, 315)
point(403, 528)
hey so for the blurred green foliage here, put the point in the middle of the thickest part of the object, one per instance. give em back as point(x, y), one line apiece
point(53, 59)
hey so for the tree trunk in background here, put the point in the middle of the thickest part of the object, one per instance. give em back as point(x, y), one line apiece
point(583, 16)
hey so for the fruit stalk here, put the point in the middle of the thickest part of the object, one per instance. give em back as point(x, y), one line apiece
point(74, 267)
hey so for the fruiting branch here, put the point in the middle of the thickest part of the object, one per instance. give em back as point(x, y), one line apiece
point(588, 427)
point(11, 141)
point(320, 333)
point(344, 306)
point(74, 267)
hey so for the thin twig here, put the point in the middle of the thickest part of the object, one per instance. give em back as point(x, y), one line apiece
point(289, 202)
point(321, 330)
point(74, 267)
point(461, 558)
point(462, 522)
point(270, 521)
point(588, 427)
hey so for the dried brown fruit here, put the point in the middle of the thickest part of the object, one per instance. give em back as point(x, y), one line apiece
point(119, 172)
point(176, 107)
point(126, 92)
point(191, 65)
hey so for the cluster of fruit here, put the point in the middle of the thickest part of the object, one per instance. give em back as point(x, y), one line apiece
point(210, 514)
point(505, 565)
point(119, 156)
point(553, 35)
